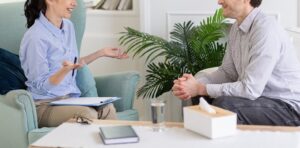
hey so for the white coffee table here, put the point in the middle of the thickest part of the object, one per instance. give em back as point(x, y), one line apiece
point(75, 135)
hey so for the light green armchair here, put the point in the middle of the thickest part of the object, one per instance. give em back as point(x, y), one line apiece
point(18, 119)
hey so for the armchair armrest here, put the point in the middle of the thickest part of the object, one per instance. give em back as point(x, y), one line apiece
point(18, 117)
point(122, 85)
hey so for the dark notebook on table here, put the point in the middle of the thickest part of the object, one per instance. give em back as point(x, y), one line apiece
point(118, 134)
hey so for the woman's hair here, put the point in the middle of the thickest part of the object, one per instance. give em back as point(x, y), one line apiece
point(32, 10)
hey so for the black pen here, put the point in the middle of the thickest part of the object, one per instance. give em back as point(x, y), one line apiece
point(75, 60)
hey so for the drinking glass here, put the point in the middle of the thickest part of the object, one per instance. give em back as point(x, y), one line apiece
point(158, 114)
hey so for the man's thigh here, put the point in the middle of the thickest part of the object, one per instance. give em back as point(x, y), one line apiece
point(262, 111)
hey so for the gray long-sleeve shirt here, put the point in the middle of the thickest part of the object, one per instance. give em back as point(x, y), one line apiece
point(260, 60)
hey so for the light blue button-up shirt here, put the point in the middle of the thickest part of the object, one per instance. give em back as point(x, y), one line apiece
point(43, 49)
point(260, 60)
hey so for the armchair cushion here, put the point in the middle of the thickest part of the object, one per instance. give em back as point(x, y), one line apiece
point(86, 82)
point(122, 84)
point(131, 115)
point(12, 75)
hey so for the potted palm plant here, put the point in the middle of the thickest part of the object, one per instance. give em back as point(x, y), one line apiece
point(192, 48)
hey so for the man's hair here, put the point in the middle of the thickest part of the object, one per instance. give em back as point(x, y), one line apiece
point(255, 3)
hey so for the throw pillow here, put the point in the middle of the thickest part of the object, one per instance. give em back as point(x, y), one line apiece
point(11, 74)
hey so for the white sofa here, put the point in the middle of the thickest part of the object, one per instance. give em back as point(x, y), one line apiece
point(295, 37)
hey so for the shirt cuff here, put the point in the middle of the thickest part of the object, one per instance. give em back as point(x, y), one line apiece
point(214, 90)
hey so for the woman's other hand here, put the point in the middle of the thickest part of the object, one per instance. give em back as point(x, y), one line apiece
point(114, 53)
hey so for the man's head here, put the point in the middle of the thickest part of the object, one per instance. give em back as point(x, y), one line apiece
point(237, 8)
point(255, 3)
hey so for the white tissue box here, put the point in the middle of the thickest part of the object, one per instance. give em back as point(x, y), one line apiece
point(221, 124)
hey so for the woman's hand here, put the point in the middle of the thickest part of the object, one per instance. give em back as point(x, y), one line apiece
point(105, 52)
point(68, 66)
point(114, 53)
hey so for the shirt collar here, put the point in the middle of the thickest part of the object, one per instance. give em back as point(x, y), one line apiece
point(52, 28)
point(247, 22)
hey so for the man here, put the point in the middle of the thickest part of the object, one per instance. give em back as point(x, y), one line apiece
point(259, 78)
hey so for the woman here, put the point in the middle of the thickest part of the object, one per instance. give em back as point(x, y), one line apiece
point(48, 56)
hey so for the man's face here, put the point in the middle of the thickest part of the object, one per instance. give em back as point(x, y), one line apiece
point(233, 8)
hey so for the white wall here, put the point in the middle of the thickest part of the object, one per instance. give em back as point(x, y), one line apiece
point(161, 10)
point(298, 13)
point(9, 1)
point(103, 30)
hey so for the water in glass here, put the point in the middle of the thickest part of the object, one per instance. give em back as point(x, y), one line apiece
point(158, 114)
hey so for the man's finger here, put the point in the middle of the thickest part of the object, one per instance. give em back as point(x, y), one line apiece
point(182, 79)
point(183, 97)
point(177, 87)
point(178, 93)
point(175, 81)
point(188, 76)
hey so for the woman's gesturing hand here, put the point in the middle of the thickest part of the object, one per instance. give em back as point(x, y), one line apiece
point(114, 53)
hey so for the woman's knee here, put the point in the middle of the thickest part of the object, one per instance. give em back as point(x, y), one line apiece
point(108, 112)
point(88, 112)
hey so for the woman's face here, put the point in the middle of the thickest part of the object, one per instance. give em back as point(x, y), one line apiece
point(62, 8)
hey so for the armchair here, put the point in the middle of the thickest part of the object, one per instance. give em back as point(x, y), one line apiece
point(18, 126)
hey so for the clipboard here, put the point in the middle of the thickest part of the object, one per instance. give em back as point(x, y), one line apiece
point(84, 101)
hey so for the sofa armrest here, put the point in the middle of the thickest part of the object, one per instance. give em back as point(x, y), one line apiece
point(121, 85)
point(18, 117)
point(205, 71)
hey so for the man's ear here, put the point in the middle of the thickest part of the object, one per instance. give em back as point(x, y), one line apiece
point(49, 2)
point(247, 1)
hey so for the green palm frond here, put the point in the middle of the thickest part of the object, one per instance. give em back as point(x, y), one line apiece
point(182, 33)
point(191, 49)
point(211, 29)
point(160, 79)
point(210, 56)
point(142, 43)
point(181, 38)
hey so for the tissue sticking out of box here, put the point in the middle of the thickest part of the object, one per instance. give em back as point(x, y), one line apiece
point(205, 106)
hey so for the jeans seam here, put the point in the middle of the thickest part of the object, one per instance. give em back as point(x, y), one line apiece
point(260, 107)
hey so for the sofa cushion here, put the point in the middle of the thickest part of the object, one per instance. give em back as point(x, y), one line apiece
point(11, 74)
point(86, 82)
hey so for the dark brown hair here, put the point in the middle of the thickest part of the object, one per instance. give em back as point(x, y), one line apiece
point(32, 9)
point(255, 3)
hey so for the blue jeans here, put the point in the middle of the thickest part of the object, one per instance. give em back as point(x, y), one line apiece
point(262, 111)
